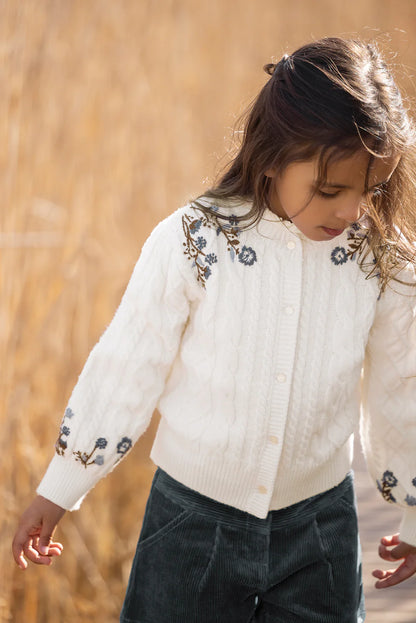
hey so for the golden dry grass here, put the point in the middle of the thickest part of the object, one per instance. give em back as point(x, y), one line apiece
point(111, 115)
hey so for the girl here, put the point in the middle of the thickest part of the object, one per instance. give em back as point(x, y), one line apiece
point(248, 321)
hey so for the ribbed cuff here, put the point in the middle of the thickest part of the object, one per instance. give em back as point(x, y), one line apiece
point(66, 482)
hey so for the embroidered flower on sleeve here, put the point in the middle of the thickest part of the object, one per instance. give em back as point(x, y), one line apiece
point(388, 481)
point(339, 256)
point(123, 447)
point(414, 482)
point(410, 500)
point(86, 459)
point(247, 256)
point(62, 443)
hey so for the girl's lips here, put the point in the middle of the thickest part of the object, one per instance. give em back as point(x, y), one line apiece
point(332, 232)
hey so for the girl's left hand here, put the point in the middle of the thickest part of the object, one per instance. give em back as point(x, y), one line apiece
point(400, 550)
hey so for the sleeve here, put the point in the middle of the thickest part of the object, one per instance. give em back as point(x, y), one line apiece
point(125, 373)
point(388, 415)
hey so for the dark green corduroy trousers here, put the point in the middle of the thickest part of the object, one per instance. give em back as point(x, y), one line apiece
point(200, 561)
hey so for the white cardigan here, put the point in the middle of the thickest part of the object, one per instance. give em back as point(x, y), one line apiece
point(251, 344)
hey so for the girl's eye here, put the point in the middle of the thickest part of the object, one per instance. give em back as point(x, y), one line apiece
point(321, 193)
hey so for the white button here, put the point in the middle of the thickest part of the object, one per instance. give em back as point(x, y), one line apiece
point(289, 310)
point(281, 378)
point(262, 489)
point(291, 244)
point(274, 439)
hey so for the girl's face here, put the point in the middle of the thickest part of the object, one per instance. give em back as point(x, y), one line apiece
point(338, 203)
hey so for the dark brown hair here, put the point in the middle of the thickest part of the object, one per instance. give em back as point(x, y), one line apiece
point(329, 99)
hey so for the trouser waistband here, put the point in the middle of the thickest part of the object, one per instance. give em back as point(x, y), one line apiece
point(297, 513)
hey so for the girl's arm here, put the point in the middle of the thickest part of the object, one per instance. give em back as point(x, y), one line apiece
point(124, 376)
point(388, 421)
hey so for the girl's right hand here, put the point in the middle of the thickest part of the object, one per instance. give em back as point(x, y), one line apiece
point(35, 531)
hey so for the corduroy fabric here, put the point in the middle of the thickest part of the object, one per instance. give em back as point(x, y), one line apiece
point(200, 561)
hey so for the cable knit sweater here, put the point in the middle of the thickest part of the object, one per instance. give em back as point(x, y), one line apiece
point(251, 343)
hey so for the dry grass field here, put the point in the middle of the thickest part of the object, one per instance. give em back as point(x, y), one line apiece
point(112, 114)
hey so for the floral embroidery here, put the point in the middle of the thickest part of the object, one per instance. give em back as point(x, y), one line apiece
point(247, 256)
point(211, 258)
point(123, 447)
point(339, 256)
point(61, 443)
point(410, 500)
point(85, 458)
point(200, 243)
point(414, 482)
point(388, 481)
point(356, 238)
point(194, 246)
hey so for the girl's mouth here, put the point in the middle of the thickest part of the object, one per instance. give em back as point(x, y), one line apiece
point(332, 232)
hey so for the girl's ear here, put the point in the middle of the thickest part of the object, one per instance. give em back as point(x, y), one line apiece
point(270, 172)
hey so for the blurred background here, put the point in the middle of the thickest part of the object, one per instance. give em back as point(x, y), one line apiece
point(112, 115)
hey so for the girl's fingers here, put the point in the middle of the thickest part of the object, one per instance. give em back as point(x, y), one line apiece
point(389, 541)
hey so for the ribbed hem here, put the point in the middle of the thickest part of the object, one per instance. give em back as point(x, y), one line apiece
point(408, 526)
point(66, 482)
point(237, 484)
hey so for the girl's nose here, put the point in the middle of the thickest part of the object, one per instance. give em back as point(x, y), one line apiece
point(350, 211)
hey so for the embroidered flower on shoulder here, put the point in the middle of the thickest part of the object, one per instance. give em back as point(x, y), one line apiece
point(339, 256)
point(414, 482)
point(194, 246)
point(356, 238)
point(410, 500)
point(211, 258)
point(247, 256)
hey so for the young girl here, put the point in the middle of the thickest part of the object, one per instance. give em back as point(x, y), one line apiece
point(258, 319)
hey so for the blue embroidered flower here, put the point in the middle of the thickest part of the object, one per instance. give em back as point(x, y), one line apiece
point(414, 482)
point(101, 443)
point(69, 413)
point(389, 479)
point(247, 256)
point(211, 258)
point(65, 431)
point(207, 272)
point(410, 500)
point(355, 226)
point(339, 256)
point(195, 226)
point(124, 445)
point(385, 491)
point(200, 243)
point(99, 460)
point(233, 220)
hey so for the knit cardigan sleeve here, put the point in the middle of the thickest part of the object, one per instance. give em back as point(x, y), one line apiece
point(124, 376)
point(388, 419)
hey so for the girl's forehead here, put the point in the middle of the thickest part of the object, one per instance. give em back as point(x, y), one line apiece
point(358, 171)
point(354, 169)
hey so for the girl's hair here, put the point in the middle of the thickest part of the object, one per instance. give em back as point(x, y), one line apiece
point(329, 99)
